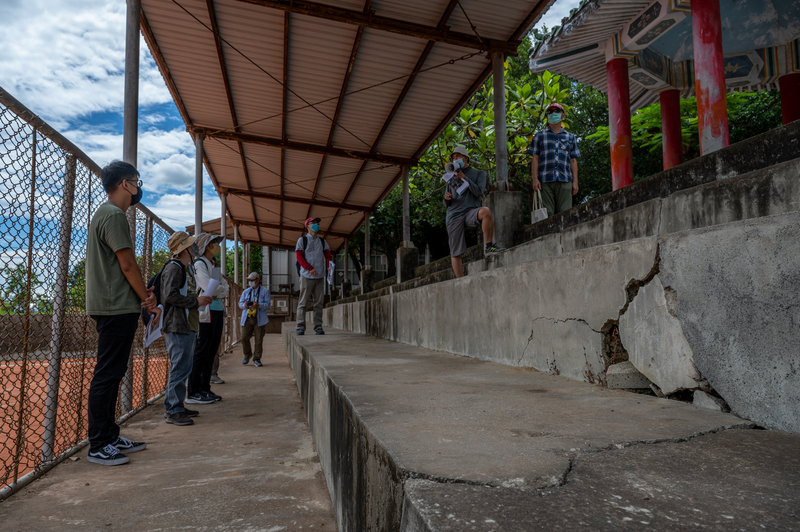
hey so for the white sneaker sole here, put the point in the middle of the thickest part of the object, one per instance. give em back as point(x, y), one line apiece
point(113, 462)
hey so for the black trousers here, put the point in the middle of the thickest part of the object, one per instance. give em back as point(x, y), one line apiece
point(113, 350)
point(204, 350)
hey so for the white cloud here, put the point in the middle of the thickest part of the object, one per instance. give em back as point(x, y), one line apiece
point(178, 209)
point(557, 11)
point(66, 59)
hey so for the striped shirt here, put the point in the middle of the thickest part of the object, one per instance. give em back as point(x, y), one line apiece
point(555, 151)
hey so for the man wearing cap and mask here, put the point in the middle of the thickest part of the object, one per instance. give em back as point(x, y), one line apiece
point(465, 210)
point(313, 254)
point(179, 337)
point(212, 319)
point(254, 303)
point(554, 166)
point(115, 295)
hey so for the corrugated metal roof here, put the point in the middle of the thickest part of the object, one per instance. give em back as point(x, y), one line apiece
point(365, 76)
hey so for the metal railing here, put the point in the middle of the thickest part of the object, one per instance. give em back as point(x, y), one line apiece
point(49, 190)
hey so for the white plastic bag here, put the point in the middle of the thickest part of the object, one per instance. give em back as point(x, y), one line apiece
point(539, 213)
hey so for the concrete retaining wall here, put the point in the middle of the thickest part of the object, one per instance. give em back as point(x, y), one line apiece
point(732, 308)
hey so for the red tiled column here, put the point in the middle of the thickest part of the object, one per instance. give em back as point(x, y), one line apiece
point(712, 107)
point(619, 118)
point(671, 139)
point(790, 97)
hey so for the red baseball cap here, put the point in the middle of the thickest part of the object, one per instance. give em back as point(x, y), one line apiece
point(555, 106)
point(310, 220)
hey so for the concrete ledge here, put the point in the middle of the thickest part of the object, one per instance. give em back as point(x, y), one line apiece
point(386, 415)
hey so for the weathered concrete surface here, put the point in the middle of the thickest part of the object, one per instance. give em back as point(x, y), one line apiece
point(384, 413)
point(625, 376)
point(654, 340)
point(738, 303)
point(248, 463)
point(507, 213)
point(705, 400)
point(548, 314)
point(731, 480)
point(407, 260)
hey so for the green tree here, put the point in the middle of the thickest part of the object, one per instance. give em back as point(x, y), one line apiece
point(14, 292)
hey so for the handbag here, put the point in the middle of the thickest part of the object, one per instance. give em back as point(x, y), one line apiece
point(538, 213)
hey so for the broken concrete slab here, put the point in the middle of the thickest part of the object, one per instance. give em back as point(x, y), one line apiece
point(731, 480)
point(624, 375)
point(706, 400)
point(737, 288)
point(383, 412)
point(655, 342)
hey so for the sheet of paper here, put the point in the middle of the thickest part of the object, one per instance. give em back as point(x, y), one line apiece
point(331, 266)
point(449, 176)
point(215, 273)
point(211, 288)
point(153, 330)
point(464, 186)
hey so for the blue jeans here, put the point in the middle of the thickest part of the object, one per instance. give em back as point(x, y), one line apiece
point(180, 348)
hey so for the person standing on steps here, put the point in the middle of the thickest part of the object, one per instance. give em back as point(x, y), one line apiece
point(464, 210)
point(255, 303)
point(313, 255)
point(115, 295)
point(212, 318)
point(554, 163)
point(178, 335)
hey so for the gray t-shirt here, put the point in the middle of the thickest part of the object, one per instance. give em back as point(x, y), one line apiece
point(470, 199)
point(314, 254)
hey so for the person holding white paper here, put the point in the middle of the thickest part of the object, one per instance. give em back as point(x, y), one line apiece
point(211, 319)
point(464, 209)
point(175, 327)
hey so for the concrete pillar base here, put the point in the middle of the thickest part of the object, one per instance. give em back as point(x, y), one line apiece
point(506, 210)
point(407, 261)
point(367, 280)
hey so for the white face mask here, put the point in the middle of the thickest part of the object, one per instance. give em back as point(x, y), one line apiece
point(252, 284)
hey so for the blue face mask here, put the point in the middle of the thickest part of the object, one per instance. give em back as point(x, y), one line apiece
point(554, 118)
point(315, 227)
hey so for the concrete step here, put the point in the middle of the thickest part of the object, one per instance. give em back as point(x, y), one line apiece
point(417, 440)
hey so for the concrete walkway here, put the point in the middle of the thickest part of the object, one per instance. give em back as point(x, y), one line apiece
point(247, 464)
point(422, 441)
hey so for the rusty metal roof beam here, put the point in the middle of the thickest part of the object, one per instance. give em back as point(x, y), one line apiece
point(294, 199)
point(391, 25)
point(301, 146)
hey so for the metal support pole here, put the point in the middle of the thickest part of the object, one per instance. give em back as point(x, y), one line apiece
point(268, 251)
point(59, 309)
point(147, 259)
point(246, 260)
point(500, 141)
point(619, 117)
point(367, 263)
point(236, 254)
point(126, 389)
point(223, 230)
point(346, 261)
point(709, 76)
point(406, 209)
point(671, 138)
point(198, 184)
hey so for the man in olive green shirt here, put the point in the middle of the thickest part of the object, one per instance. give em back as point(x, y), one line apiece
point(115, 294)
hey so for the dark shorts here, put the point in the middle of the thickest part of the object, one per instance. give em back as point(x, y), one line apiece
point(455, 231)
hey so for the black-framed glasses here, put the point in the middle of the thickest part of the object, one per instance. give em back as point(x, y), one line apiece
point(138, 182)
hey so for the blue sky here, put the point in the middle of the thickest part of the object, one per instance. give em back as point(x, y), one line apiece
point(65, 61)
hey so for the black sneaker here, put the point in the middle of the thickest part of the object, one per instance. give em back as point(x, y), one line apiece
point(257, 363)
point(300, 332)
point(179, 418)
point(108, 455)
point(319, 331)
point(191, 413)
point(124, 445)
point(211, 395)
point(245, 360)
point(491, 247)
point(198, 399)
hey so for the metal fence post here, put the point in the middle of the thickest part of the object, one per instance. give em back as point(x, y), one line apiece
point(59, 309)
point(147, 264)
point(126, 391)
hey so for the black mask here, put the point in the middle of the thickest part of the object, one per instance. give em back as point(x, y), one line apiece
point(136, 198)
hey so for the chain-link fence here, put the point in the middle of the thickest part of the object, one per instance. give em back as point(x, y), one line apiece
point(49, 191)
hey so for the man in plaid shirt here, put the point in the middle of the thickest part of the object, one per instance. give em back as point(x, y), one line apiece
point(554, 167)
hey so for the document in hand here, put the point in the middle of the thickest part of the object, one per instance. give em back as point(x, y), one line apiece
point(451, 179)
point(331, 266)
point(212, 286)
point(153, 330)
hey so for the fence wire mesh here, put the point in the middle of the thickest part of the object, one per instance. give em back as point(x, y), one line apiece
point(48, 345)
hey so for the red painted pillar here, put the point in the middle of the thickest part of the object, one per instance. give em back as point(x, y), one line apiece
point(709, 74)
point(790, 97)
point(671, 139)
point(619, 118)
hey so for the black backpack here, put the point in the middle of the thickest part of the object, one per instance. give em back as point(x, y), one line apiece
point(155, 283)
point(303, 245)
